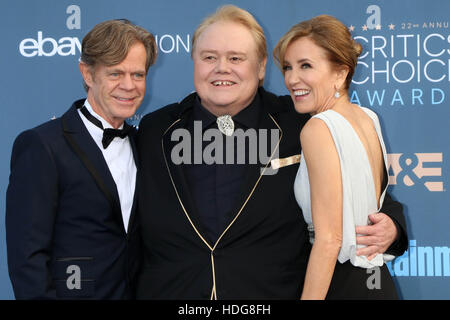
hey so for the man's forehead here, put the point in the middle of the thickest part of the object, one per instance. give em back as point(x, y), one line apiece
point(104, 69)
point(228, 52)
point(226, 45)
point(226, 30)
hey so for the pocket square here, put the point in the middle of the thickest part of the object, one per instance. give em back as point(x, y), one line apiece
point(279, 163)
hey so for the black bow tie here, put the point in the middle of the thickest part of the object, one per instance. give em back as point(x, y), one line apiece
point(108, 133)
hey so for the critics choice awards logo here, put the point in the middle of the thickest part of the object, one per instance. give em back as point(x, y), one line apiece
point(403, 63)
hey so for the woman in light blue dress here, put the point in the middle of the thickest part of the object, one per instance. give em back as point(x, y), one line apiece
point(342, 177)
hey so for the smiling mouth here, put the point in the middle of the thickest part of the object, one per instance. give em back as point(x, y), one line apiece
point(124, 99)
point(301, 92)
point(223, 83)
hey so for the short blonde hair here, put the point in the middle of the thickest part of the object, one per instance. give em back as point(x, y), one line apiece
point(328, 33)
point(231, 13)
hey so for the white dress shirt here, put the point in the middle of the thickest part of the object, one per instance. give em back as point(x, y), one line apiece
point(120, 161)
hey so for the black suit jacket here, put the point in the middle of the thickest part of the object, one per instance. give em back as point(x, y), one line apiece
point(263, 251)
point(63, 217)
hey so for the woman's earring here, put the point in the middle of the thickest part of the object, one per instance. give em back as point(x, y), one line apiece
point(337, 94)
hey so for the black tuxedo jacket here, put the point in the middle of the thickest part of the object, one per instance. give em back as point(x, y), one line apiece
point(263, 251)
point(63, 217)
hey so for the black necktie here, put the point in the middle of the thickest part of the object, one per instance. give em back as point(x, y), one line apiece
point(108, 133)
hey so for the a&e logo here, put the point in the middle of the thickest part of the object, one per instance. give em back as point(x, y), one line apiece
point(416, 169)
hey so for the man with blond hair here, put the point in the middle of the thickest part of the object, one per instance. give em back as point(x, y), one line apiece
point(224, 229)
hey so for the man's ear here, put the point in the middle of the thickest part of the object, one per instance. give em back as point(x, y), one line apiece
point(262, 69)
point(86, 73)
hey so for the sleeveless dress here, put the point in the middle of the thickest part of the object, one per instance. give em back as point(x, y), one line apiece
point(355, 277)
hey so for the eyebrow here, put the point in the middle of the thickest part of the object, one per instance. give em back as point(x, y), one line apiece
point(303, 60)
point(300, 61)
point(228, 52)
point(116, 70)
point(237, 53)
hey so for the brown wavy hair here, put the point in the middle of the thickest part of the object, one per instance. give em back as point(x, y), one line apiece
point(328, 33)
point(108, 44)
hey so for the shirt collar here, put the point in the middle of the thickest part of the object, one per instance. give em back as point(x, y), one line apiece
point(105, 123)
point(247, 117)
point(200, 113)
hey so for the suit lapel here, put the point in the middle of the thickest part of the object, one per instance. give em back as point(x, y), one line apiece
point(177, 175)
point(132, 137)
point(87, 150)
point(254, 173)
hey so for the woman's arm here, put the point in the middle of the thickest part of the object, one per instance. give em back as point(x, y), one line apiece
point(325, 181)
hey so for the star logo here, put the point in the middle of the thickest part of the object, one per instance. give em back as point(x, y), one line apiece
point(351, 28)
point(378, 27)
point(364, 27)
point(391, 26)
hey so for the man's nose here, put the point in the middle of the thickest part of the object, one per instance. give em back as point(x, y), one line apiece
point(223, 65)
point(126, 82)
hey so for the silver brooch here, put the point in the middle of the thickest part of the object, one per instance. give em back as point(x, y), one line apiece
point(226, 125)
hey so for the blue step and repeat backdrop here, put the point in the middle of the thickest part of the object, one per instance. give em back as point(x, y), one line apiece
point(403, 75)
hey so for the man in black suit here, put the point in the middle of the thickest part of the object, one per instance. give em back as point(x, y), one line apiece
point(70, 205)
point(215, 227)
